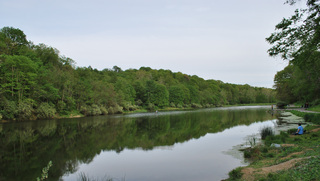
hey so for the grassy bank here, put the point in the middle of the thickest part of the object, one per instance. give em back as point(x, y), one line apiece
point(284, 156)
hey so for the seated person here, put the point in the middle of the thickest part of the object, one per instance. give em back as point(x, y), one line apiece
point(300, 130)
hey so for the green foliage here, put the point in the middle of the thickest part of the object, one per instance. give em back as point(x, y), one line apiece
point(103, 110)
point(309, 117)
point(277, 139)
point(12, 40)
point(253, 153)
point(25, 109)
point(39, 73)
point(95, 110)
point(314, 118)
point(9, 109)
point(235, 174)
point(282, 105)
point(45, 111)
point(297, 39)
point(45, 172)
point(266, 131)
point(179, 94)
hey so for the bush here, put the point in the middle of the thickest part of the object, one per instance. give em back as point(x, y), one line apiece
point(291, 131)
point(179, 106)
point(151, 107)
point(266, 131)
point(195, 105)
point(314, 118)
point(139, 102)
point(104, 110)
point(236, 174)
point(25, 110)
point(95, 110)
point(110, 110)
point(61, 106)
point(9, 109)
point(129, 107)
point(45, 111)
point(85, 110)
point(315, 102)
point(253, 153)
point(118, 109)
point(281, 104)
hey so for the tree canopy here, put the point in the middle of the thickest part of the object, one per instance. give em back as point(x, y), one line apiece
point(39, 83)
point(297, 39)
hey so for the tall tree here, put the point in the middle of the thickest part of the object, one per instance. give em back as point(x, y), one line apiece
point(12, 39)
point(297, 39)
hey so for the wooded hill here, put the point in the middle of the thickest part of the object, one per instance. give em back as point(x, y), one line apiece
point(39, 83)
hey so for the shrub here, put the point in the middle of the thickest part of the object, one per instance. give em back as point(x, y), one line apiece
point(314, 118)
point(179, 106)
point(195, 105)
point(290, 131)
point(281, 104)
point(315, 102)
point(25, 110)
point(151, 107)
point(266, 131)
point(139, 102)
point(110, 110)
point(45, 111)
point(9, 109)
point(85, 110)
point(253, 153)
point(235, 173)
point(118, 109)
point(61, 106)
point(104, 110)
point(95, 110)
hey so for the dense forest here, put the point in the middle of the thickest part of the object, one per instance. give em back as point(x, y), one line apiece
point(39, 83)
point(297, 40)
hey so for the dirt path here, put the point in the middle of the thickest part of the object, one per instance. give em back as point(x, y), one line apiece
point(248, 173)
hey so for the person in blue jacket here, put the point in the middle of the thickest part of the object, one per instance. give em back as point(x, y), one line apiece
point(300, 130)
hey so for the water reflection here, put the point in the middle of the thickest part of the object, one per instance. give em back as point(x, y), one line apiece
point(162, 146)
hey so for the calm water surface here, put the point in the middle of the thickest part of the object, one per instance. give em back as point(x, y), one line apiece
point(181, 145)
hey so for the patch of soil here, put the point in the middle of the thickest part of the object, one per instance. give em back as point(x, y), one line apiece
point(297, 153)
point(248, 172)
point(287, 145)
point(315, 130)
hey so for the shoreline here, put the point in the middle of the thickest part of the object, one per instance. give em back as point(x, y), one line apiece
point(257, 169)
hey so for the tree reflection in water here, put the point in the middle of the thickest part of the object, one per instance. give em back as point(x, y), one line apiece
point(27, 147)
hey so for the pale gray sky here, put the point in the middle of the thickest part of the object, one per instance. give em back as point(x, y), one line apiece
point(221, 40)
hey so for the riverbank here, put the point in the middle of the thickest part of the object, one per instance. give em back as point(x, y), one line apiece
point(284, 156)
point(77, 114)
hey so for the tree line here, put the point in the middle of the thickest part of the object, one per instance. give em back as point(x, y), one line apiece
point(37, 82)
point(297, 40)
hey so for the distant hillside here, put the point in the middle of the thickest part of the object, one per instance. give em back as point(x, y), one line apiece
point(39, 83)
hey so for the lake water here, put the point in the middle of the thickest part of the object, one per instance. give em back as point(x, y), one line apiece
point(180, 145)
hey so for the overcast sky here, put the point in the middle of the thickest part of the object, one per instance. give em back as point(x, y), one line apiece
point(213, 39)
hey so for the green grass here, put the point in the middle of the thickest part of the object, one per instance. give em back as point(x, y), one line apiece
point(315, 108)
point(307, 147)
point(266, 131)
